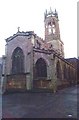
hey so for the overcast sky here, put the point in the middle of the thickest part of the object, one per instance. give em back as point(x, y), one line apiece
point(29, 15)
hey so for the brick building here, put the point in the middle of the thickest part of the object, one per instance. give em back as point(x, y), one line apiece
point(31, 62)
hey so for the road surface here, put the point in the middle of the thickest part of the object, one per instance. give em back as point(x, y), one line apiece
point(62, 104)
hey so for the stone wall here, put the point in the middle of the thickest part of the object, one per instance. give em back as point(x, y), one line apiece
point(25, 44)
point(16, 81)
point(67, 77)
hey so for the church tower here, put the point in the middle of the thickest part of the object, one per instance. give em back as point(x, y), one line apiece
point(52, 31)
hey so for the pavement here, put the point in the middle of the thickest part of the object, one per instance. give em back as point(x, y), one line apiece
point(62, 104)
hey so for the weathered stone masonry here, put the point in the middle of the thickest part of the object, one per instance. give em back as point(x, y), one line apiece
point(31, 62)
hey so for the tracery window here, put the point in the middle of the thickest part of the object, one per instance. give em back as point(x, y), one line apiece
point(51, 27)
point(69, 73)
point(41, 68)
point(58, 68)
point(17, 61)
point(65, 72)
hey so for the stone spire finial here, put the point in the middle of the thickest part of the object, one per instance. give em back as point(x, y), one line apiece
point(56, 14)
point(50, 10)
point(45, 14)
point(55, 11)
point(46, 11)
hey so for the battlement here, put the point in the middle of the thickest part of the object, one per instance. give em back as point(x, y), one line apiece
point(50, 13)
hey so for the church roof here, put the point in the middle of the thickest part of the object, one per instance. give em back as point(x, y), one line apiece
point(28, 33)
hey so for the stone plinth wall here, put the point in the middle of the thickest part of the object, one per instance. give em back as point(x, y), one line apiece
point(16, 82)
point(41, 83)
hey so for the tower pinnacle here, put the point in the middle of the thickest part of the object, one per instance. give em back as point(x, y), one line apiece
point(50, 13)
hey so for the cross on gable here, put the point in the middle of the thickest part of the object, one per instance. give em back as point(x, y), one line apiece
point(18, 29)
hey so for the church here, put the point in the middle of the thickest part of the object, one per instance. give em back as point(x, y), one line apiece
point(31, 62)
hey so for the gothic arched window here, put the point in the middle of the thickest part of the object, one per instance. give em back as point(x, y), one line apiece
point(65, 72)
point(17, 61)
point(49, 28)
point(68, 72)
point(53, 27)
point(40, 68)
point(58, 67)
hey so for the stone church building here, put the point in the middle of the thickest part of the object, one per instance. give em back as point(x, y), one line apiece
point(31, 62)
